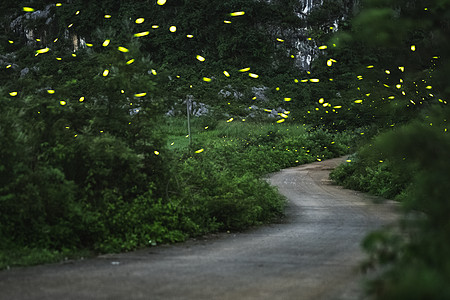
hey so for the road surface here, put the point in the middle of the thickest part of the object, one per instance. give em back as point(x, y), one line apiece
point(314, 253)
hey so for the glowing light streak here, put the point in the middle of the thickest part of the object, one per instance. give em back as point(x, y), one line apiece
point(140, 34)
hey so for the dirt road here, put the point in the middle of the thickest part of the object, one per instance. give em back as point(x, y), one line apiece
point(313, 254)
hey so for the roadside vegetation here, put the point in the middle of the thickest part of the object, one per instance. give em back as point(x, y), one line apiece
point(214, 184)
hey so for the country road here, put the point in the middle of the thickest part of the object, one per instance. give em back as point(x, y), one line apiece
point(314, 253)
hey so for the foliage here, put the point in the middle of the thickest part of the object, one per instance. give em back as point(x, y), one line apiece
point(410, 37)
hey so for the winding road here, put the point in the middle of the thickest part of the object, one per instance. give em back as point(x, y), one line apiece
point(314, 253)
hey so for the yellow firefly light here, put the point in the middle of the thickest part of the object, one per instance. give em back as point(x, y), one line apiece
point(44, 50)
point(139, 34)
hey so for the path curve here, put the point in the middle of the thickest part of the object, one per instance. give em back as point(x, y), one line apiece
point(313, 254)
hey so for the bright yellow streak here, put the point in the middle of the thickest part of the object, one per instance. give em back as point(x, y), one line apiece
point(161, 2)
point(314, 80)
point(139, 34)
point(287, 99)
point(77, 12)
point(105, 73)
point(280, 40)
point(253, 75)
point(358, 101)
point(122, 49)
point(11, 42)
point(40, 51)
point(230, 120)
point(62, 102)
point(13, 94)
point(369, 67)
point(244, 70)
point(89, 44)
point(139, 20)
point(106, 43)
point(58, 4)
point(323, 47)
point(58, 58)
point(237, 13)
point(155, 26)
point(51, 91)
point(173, 28)
point(206, 79)
point(338, 106)
point(200, 150)
point(226, 73)
point(156, 152)
point(27, 9)
point(200, 58)
point(140, 95)
point(81, 99)
point(281, 121)
point(189, 36)
point(227, 22)
point(130, 61)
point(154, 72)
point(107, 16)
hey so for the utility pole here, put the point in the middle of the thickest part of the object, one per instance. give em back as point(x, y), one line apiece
point(188, 109)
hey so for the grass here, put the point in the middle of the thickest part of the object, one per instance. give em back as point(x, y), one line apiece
point(202, 133)
point(34, 256)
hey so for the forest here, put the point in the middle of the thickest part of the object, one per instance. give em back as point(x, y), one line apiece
point(128, 124)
